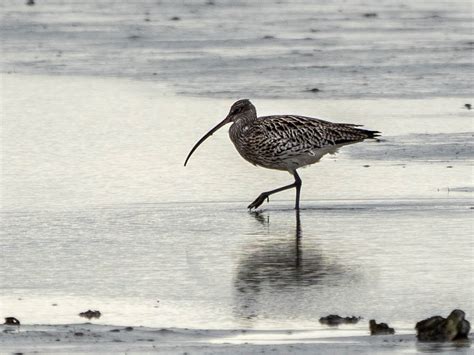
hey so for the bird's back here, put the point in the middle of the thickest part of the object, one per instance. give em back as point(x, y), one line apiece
point(288, 142)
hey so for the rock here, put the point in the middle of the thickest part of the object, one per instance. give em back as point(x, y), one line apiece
point(90, 314)
point(437, 328)
point(468, 106)
point(370, 14)
point(11, 321)
point(463, 330)
point(380, 328)
point(314, 90)
point(30, 2)
point(175, 18)
point(334, 320)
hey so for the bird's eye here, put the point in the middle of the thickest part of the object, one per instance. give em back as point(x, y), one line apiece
point(237, 110)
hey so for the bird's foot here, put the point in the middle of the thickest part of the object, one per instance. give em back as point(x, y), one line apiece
point(259, 200)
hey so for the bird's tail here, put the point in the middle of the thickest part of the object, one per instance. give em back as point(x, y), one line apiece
point(371, 134)
point(363, 133)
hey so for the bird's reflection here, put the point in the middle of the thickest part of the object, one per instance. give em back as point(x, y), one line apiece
point(260, 217)
point(276, 263)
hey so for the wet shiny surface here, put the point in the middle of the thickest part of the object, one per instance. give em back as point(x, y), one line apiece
point(218, 266)
point(99, 213)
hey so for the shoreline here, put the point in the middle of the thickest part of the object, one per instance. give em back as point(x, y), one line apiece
point(91, 338)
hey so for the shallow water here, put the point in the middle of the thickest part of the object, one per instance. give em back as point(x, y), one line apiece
point(98, 212)
point(218, 266)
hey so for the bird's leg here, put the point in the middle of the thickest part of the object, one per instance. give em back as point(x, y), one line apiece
point(298, 184)
point(264, 195)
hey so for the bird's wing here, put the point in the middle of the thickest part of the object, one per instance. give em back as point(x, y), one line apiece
point(302, 132)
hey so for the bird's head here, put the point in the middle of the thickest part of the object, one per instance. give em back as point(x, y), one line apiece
point(240, 109)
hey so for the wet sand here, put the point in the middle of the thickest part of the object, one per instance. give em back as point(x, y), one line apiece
point(97, 339)
point(267, 49)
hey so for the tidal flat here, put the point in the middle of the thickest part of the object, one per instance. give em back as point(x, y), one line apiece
point(99, 212)
point(101, 103)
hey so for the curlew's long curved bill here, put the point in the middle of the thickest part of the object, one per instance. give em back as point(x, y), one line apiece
point(208, 134)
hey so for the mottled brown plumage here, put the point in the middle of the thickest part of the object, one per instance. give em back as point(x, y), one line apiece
point(284, 142)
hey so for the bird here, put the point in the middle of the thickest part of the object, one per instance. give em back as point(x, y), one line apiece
point(284, 142)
